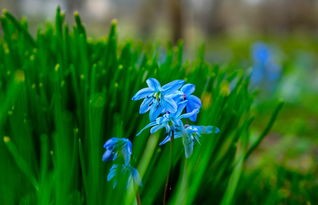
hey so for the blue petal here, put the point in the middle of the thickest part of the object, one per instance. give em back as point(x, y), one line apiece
point(178, 134)
point(155, 111)
point(147, 126)
point(176, 96)
point(194, 101)
point(171, 87)
point(167, 139)
point(111, 142)
point(145, 105)
point(189, 108)
point(145, 92)
point(205, 129)
point(126, 157)
point(188, 115)
point(107, 156)
point(117, 147)
point(169, 104)
point(163, 119)
point(180, 109)
point(193, 118)
point(177, 122)
point(209, 129)
point(153, 84)
point(136, 177)
point(112, 172)
point(129, 146)
point(127, 151)
point(188, 145)
point(188, 89)
point(156, 128)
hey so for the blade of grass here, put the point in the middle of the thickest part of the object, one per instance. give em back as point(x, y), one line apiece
point(266, 130)
point(20, 162)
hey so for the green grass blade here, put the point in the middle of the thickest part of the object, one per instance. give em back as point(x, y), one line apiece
point(266, 130)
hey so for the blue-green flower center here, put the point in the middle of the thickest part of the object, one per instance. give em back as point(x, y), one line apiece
point(157, 95)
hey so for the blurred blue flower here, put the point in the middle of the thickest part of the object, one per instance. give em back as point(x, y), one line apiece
point(190, 134)
point(170, 121)
point(123, 174)
point(261, 53)
point(266, 71)
point(156, 98)
point(117, 149)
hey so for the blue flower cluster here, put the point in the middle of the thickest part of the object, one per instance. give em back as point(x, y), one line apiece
point(168, 105)
point(119, 150)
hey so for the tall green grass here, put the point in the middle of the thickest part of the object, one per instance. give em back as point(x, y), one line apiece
point(62, 95)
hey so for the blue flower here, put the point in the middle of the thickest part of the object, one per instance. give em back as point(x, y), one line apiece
point(117, 149)
point(168, 106)
point(156, 98)
point(191, 134)
point(170, 121)
point(124, 174)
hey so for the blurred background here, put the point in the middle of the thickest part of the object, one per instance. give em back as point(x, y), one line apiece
point(276, 41)
point(185, 19)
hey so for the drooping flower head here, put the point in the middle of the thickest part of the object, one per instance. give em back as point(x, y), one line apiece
point(123, 174)
point(156, 98)
point(117, 149)
point(191, 134)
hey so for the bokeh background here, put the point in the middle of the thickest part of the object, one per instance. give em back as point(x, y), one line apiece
point(182, 18)
point(232, 32)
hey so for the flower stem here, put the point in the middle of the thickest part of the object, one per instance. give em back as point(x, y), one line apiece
point(138, 198)
point(167, 185)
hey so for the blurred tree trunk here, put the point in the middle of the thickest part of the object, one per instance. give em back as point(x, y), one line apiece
point(176, 19)
point(73, 5)
point(147, 16)
point(14, 6)
point(215, 25)
point(288, 16)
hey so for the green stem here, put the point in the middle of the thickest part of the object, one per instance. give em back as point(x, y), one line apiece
point(169, 170)
point(138, 198)
point(20, 162)
point(266, 130)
